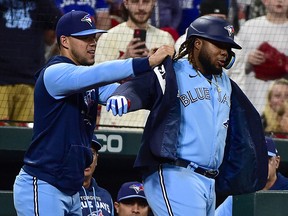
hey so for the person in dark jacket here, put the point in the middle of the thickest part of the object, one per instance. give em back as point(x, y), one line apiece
point(94, 199)
point(67, 92)
point(203, 134)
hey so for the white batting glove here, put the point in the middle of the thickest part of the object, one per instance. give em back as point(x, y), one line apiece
point(118, 104)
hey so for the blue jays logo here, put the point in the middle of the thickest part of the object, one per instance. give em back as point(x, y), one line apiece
point(230, 30)
point(137, 187)
point(87, 19)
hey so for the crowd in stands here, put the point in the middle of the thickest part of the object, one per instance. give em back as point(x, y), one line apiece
point(29, 38)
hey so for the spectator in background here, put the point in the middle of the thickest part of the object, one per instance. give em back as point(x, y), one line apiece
point(26, 26)
point(260, 37)
point(283, 122)
point(276, 97)
point(275, 180)
point(167, 16)
point(98, 9)
point(119, 43)
point(207, 7)
point(94, 199)
point(131, 200)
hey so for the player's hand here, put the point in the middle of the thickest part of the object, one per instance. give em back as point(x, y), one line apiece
point(256, 57)
point(160, 54)
point(152, 51)
point(118, 104)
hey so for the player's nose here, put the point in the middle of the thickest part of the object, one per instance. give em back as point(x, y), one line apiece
point(135, 208)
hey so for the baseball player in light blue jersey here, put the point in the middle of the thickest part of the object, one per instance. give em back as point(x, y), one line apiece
point(198, 118)
point(67, 92)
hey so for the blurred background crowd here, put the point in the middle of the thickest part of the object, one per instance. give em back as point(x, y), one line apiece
point(28, 40)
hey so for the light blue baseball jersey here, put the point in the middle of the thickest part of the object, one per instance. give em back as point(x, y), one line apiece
point(204, 115)
point(189, 118)
point(205, 111)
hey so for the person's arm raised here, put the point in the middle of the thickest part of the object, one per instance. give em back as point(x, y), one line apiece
point(160, 54)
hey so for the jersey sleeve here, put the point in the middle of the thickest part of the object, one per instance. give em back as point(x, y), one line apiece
point(64, 79)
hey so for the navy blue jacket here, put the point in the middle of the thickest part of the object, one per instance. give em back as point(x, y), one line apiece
point(66, 174)
point(98, 201)
point(245, 165)
point(281, 183)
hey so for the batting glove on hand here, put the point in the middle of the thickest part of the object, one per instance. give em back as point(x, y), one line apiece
point(118, 104)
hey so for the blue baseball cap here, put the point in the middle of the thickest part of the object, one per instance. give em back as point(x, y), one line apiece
point(95, 143)
point(130, 190)
point(76, 23)
point(271, 147)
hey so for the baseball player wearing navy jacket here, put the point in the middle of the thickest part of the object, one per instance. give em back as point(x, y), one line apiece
point(202, 134)
point(67, 91)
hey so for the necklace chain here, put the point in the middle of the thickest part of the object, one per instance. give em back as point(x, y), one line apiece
point(210, 81)
point(216, 84)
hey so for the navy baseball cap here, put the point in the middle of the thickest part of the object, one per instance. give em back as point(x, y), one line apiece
point(130, 190)
point(95, 143)
point(76, 23)
point(271, 147)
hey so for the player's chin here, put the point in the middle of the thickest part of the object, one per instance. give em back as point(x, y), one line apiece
point(90, 61)
point(217, 71)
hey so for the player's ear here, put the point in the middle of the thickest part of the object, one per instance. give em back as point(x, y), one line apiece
point(116, 205)
point(64, 41)
point(197, 43)
point(277, 161)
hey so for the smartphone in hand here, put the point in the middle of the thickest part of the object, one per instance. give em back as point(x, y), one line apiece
point(140, 33)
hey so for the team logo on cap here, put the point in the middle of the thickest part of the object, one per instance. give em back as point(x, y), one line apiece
point(230, 30)
point(87, 19)
point(137, 187)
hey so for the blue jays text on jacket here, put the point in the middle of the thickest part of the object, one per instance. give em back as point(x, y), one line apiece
point(244, 168)
point(97, 201)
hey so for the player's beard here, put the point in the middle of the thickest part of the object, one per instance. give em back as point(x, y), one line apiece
point(208, 67)
point(82, 59)
point(137, 21)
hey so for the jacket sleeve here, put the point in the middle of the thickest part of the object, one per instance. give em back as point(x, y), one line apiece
point(245, 165)
point(140, 91)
